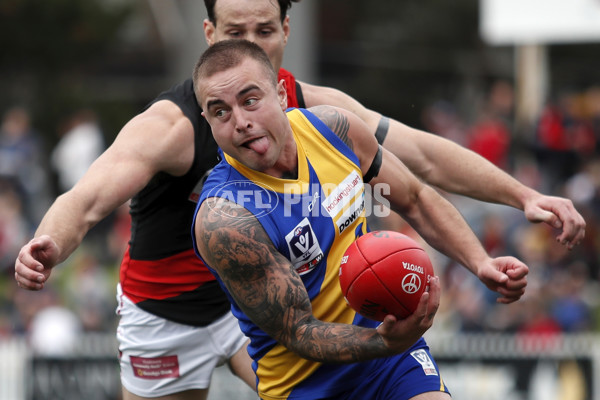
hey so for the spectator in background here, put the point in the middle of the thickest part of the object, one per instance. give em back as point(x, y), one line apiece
point(564, 138)
point(501, 101)
point(21, 161)
point(490, 136)
point(81, 143)
point(569, 305)
point(443, 119)
point(592, 105)
point(87, 289)
point(19, 146)
point(13, 226)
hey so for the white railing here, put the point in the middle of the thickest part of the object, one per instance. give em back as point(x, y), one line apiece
point(13, 364)
point(474, 366)
point(519, 367)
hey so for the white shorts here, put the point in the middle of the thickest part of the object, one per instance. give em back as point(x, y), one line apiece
point(159, 357)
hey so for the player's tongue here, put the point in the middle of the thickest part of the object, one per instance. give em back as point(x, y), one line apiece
point(259, 145)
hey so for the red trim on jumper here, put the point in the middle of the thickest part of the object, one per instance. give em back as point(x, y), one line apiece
point(164, 278)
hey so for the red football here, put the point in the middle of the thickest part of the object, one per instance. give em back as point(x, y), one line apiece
point(384, 272)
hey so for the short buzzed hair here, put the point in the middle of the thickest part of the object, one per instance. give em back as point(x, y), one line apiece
point(227, 54)
point(284, 6)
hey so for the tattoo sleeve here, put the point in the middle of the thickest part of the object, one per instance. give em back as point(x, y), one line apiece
point(266, 287)
point(335, 121)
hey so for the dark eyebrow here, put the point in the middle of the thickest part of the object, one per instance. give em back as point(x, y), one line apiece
point(246, 90)
point(242, 25)
point(212, 103)
point(261, 24)
point(242, 93)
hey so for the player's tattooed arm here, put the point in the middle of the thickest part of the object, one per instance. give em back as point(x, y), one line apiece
point(335, 121)
point(267, 288)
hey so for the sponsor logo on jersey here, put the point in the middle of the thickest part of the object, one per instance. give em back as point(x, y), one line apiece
point(343, 194)
point(351, 214)
point(312, 203)
point(304, 248)
point(304, 195)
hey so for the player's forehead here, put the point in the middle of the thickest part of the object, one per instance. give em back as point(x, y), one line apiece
point(246, 12)
point(228, 85)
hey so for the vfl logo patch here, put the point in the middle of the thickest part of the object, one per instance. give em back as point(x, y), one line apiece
point(426, 363)
point(304, 248)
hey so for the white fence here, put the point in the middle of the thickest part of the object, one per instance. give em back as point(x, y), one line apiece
point(509, 367)
point(491, 367)
point(13, 364)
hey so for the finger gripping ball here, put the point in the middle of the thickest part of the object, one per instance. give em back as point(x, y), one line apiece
point(384, 272)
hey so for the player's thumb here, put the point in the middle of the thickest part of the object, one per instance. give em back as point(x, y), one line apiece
point(387, 325)
point(496, 276)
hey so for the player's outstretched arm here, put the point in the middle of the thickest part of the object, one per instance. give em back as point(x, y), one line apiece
point(431, 215)
point(267, 288)
point(453, 168)
point(157, 140)
point(456, 169)
point(442, 226)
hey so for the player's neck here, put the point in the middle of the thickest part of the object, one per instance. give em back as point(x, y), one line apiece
point(286, 166)
point(290, 174)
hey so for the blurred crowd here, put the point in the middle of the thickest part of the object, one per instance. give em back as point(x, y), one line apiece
point(80, 297)
point(558, 156)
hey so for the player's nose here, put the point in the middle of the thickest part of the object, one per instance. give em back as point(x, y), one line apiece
point(241, 121)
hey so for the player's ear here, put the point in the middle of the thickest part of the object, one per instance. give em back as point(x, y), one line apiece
point(286, 29)
point(282, 94)
point(209, 32)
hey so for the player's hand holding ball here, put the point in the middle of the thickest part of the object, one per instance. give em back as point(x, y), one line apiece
point(385, 272)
